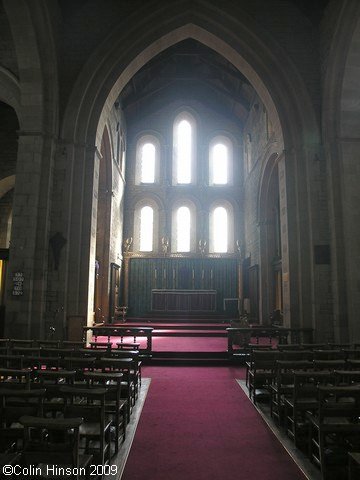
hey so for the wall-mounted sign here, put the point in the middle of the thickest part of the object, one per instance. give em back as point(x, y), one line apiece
point(18, 284)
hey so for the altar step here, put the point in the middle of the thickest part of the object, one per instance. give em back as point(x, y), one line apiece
point(188, 333)
point(189, 359)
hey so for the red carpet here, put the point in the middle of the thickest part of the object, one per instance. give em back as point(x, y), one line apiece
point(197, 424)
point(189, 344)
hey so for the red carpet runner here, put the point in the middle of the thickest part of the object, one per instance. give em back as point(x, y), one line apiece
point(197, 424)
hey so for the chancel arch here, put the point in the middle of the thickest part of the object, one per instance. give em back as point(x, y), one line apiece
point(291, 114)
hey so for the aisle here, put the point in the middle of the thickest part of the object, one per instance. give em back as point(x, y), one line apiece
point(197, 424)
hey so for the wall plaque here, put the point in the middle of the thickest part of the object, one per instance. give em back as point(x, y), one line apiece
point(18, 284)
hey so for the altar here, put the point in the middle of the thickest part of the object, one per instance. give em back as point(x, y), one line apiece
point(175, 300)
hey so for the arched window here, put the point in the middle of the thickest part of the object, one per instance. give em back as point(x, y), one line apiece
point(220, 164)
point(221, 228)
point(183, 231)
point(183, 225)
point(148, 163)
point(146, 225)
point(147, 160)
point(146, 229)
point(183, 150)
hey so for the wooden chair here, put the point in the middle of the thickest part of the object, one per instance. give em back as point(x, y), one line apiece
point(134, 345)
point(47, 343)
point(20, 343)
point(4, 350)
point(26, 351)
point(56, 352)
point(5, 346)
point(14, 403)
point(328, 354)
point(136, 370)
point(304, 398)
point(44, 363)
point(89, 404)
point(352, 353)
point(261, 372)
point(124, 366)
point(80, 365)
point(330, 365)
point(285, 347)
point(283, 384)
point(339, 346)
point(72, 345)
point(329, 359)
point(10, 377)
point(52, 445)
point(334, 428)
point(96, 353)
point(100, 345)
point(297, 355)
point(12, 361)
point(115, 406)
point(249, 363)
point(353, 364)
point(314, 346)
point(52, 381)
point(347, 377)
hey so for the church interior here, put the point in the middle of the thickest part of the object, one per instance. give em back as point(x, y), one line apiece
point(179, 189)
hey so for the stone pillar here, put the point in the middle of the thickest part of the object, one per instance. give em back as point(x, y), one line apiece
point(74, 215)
point(350, 154)
point(304, 221)
point(29, 236)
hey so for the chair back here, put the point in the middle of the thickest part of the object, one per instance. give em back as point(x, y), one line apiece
point(51, 441)
point(15, 403)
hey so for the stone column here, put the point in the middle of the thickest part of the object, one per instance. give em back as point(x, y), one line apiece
point(349, 181)
point(304, 219)
point(74, 217)
point(29, 236)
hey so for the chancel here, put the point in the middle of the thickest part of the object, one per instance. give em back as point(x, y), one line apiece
point(179, 201)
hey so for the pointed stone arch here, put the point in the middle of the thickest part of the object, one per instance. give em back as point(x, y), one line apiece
point(262, 61)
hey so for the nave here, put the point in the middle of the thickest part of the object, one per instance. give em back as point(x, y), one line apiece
point(292, 410)
point(197, 423)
